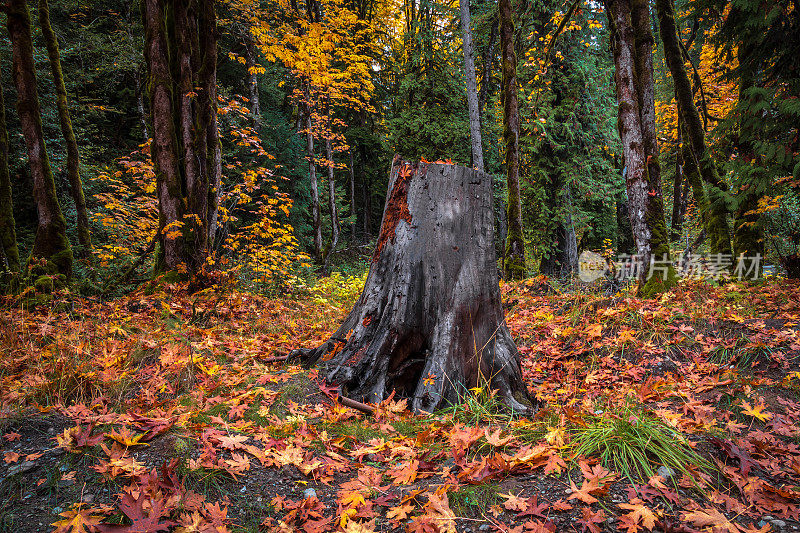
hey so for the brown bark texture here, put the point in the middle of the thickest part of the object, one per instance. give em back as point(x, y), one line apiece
point(629, 122)
point(51, 242)
point(181, 62)
point(429, 323)
point(73, 158)
point(514, 257)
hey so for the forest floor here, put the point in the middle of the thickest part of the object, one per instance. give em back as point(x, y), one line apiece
point(164, 411)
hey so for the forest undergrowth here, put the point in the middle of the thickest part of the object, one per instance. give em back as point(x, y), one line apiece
point(164, 410)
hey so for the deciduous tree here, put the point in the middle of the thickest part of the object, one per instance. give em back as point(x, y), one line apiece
point(8, 235)
point(631, 43)
point(514, 259)
point(50, 243)
point(181, 54)
point(73, 160)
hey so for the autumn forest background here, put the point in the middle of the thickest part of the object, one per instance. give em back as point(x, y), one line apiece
point(193, 195)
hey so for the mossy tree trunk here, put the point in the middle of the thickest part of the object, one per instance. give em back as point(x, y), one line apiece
point(632, 43)
point(73, 160)
point(659, 279)
point(50, 243)
point(181, 54)
point(717, 212)
point(514, 257)
point(429, 323)
point(8, 235)
point(678, 187)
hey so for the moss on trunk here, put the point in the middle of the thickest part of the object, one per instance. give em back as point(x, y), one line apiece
point(717, 214)
point(514, 260)
point(8, 235)
point(50, 244)
point(73, 161)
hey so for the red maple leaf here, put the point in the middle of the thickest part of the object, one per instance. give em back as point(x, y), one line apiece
point(140, 523)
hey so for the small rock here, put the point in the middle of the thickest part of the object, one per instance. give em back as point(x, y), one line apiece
point(665, 472)
point(243, 489)
point(599, 412)
point(21, 467)
point(767, 517)
point(88, 498)
point(309, 493)
point(485, 527)
point(777, 523)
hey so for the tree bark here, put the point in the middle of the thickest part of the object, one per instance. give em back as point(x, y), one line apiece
point(181, 54)
point(316, 217)
point(629, 123)
point(51, 242)
point(164, 146)
point(632, 47)
point(73, 161)
point(514, 257)
point(677, 189)
point(8, 234)
point(352, 197)
point(429, 323)
point(488, 60)
point(472, 89)
point(335, 226)
point(658, 280)
point(717, 223)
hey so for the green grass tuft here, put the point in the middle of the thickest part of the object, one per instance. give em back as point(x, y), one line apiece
point(636, 444)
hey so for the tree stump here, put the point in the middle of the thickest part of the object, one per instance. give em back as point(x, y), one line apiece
point(429, 323)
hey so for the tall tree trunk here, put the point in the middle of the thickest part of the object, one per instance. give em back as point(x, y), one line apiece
point(629, 124)
point(181, 54)
point(335, 226)
point(73, 162)
point(367, 194)
point(677, 189)
point(252, 79)
point(51, 241)
point(692, 174)
point(211, 181)
point(316, 217)
point(658, 279)
point(632, 47)
point(429, 323)
point(472, 89)
point(8, 234)
point(486, 77)
point(352, 197)
point(514, 260)
point(164, 146)
point(717, 223)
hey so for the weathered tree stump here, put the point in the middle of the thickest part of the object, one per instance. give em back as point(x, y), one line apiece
point(429, 323)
